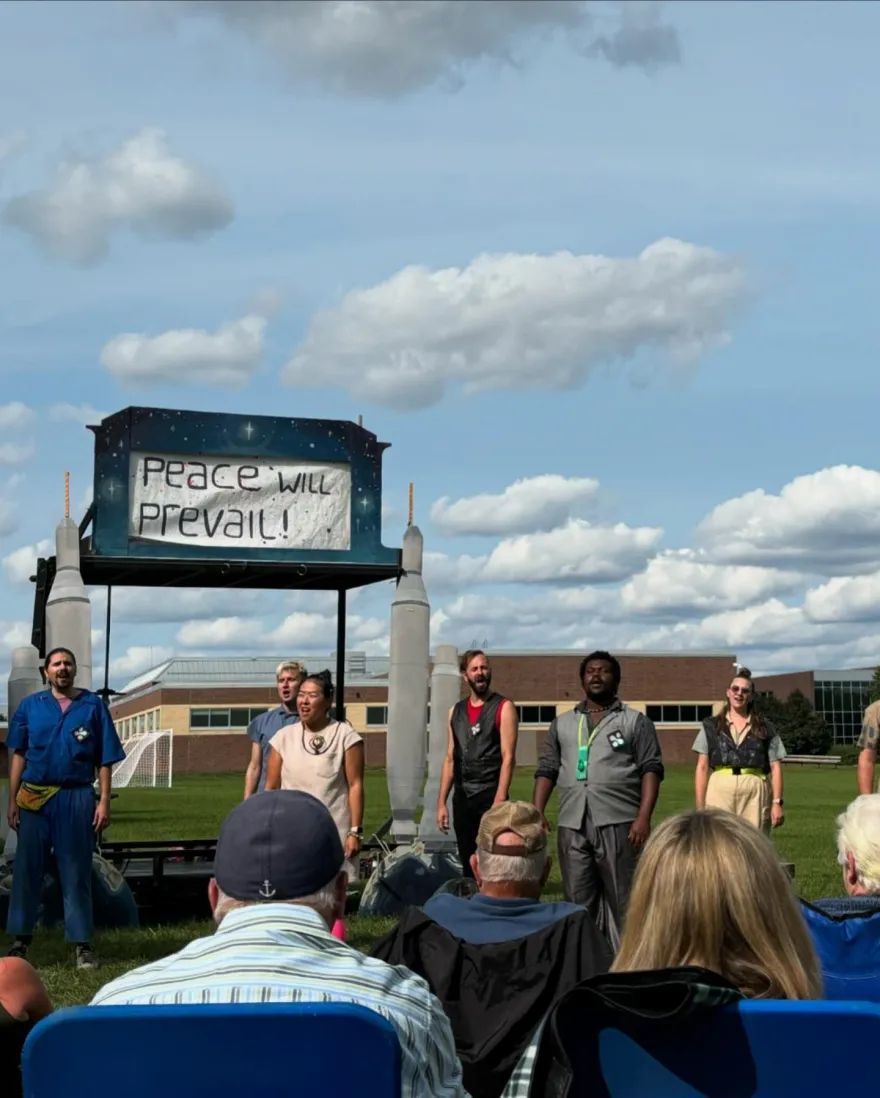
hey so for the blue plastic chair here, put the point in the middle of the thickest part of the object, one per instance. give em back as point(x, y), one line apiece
point(747, 1050)
point(274, 1050)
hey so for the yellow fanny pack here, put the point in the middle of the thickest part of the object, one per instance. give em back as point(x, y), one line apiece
point(33, 797)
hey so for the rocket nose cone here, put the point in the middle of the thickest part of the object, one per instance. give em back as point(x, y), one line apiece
point(413, 550)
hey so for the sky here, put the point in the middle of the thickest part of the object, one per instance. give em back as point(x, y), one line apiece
point(602, 274)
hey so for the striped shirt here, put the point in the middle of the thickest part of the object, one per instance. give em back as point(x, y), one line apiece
point(279, 953)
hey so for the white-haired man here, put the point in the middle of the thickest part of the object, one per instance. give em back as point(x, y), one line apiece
point(499, 960)
point(846, 930)
point(289, 677)
point(278, 886)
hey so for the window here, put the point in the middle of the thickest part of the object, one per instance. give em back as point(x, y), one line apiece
point(536, 714)
point(239, 718)
point(199, 718)
point(377, 715)
point(688, 713)
point(843, 706)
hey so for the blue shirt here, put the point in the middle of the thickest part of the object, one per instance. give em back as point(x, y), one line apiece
point(64, 748)
point(263, 728)
point(484, 919)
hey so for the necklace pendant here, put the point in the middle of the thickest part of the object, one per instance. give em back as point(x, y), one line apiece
point(317, 743)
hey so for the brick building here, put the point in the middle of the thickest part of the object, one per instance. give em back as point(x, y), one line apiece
point(207, 703)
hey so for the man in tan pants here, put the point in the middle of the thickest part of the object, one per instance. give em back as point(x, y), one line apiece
point(739, 765)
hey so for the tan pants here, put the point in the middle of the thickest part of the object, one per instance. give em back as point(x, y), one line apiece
point(745, 795)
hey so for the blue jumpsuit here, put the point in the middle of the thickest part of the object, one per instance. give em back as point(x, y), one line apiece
point(65, 749)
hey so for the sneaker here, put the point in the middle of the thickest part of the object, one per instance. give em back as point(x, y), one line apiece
point(19, 949)
point(85, 958)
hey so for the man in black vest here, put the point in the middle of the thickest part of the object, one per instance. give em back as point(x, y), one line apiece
point(480, 756)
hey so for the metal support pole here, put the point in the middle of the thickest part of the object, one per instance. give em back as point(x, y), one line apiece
point(340, 655)
point(106, 690)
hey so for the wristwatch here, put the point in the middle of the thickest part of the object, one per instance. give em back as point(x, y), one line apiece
point(358, 832)
point(777, 800)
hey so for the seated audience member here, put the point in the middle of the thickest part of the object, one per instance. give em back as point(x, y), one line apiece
point(710, 891)
point(846, 930)
point(499, 960)
point(279, 885)
point(24, 1001)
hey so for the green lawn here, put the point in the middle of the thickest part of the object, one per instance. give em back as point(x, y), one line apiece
point(196, 805)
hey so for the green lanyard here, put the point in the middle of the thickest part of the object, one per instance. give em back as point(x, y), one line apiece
point(584, 748)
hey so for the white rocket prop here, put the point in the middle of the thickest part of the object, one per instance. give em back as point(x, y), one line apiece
point(24, 679)
point(406, 744)
point(445, 692)
point(68, 610)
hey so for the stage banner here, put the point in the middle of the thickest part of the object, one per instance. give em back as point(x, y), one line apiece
point(245, 503)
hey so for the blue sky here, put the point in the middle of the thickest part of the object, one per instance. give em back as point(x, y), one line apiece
point(385, 209)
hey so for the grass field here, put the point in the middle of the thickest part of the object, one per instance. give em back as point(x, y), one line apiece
point(196, 805)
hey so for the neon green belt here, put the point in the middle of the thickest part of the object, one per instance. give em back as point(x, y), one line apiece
point(744, 770)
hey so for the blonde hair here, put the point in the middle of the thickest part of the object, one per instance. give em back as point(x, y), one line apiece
point(710, 891)
point(294, 667)
point(858, 833)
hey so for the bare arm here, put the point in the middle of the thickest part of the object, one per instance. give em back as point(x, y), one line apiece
point(273, 769)
point(16, 769)
point(867, 759)
point(547, 771)
point(354, 775)
point(447, 773)
point(509, 733)
point(252, 774)
point(701, 781)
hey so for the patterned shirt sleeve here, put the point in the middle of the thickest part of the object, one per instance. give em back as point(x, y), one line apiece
point(438, 1063)
point(870, 732)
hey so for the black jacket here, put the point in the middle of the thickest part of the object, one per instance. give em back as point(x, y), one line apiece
point(496, 995)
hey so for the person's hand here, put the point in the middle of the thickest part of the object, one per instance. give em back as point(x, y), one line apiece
point(12, 815)
point(545, 823)
point(640, 830)
point(352, 846)
point(101, 819)
point(777, 816)
point(443, 818)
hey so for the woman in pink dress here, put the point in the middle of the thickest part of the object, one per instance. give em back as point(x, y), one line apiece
point(323, 757)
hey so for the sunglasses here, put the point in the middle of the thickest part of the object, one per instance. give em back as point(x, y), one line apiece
point(739, 690)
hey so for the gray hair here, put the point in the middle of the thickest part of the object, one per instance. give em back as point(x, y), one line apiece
point(323, 901)
point(858, 833)
point(512, 868)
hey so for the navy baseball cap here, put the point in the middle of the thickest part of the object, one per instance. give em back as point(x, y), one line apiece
point(278, 845)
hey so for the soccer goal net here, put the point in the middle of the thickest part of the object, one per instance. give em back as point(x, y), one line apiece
point(147, 763)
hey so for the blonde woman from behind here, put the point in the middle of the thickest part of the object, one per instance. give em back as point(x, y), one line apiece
point(710, 891)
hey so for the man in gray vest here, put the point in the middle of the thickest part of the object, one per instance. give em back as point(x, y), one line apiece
point(605, 759)
point(480, 756)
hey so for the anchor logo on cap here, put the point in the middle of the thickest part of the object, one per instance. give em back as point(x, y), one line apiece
point(267, 891)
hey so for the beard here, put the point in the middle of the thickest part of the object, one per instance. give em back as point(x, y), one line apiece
point(481, 686)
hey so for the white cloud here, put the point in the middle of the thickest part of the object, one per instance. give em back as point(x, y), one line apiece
point(769, 622)
point(140, 186)
point(227, 357)
point(84, 414)
point(681, 583)
point(519, 322)
point(299, 631)
point(826, 522)
point(13, 453)
point(15, 415)
point(388, 49)
point(20, 564)
point(845, 598)
point(575, 551)
point(138, 658)
point(535, 503)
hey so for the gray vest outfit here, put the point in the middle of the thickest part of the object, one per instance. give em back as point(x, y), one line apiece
point(624, 748)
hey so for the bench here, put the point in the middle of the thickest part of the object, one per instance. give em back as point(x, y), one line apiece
point(813, 760)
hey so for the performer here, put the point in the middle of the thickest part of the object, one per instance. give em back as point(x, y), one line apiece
point(738, 751)
point(57, 739)
point(867, 745)
point(325, 758)
point(480, 756)
point(288, 677)
point(605, 758)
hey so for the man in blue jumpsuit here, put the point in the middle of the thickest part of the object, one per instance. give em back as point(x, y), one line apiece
point(57, 740)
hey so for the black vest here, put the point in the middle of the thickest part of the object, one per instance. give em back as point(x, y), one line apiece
point(476, 748)
point(752, 754)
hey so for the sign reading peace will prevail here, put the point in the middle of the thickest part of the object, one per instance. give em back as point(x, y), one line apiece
point(239, 502)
